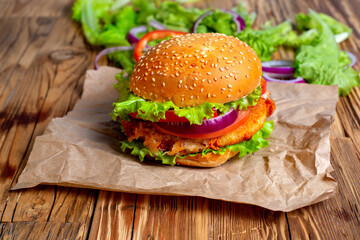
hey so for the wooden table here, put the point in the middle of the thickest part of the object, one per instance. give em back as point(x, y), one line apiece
point(43, 58)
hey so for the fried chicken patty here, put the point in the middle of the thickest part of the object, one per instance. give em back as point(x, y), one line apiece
point(174, 145)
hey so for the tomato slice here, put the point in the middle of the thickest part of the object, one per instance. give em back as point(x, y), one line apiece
point(157, 34)
point(263, 86)
point(241, 118)
point(170, 116)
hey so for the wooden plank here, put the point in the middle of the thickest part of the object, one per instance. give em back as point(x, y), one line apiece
point(338, 217)
point(42, 230)
point(113, 217)
point(44, 90)
point(38, 8)
point(15, 38)
point(165, 217)
point(349, 110)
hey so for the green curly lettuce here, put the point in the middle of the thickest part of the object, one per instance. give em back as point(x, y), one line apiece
point(322, 62)
point(265, 41)
point(257, 142)
point(154, 111)
point(305, 22)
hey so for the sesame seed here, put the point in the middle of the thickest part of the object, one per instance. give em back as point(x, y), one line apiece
point(229, 86)
point(227, 68)
point(177, 74)
point(194, 84)
point(208, 73)
point(197, 96)
point(225, 58)
point(221, 69)
point(182, 99)
point(191, 97)
point(179, 85)
point(203, 80)
point(228, 95)
point(208, 95)
point(153, 79)
point(163, 84)
point(214, 95)
point(223, 89)
point(247, 76)
point(201, 90)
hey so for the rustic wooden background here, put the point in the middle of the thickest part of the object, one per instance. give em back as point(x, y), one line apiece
point(43, 58)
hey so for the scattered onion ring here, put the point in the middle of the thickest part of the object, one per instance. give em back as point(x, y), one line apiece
point(278, 66)
point(131, 37)
point(110, 50)
point(273, 77)
point(157, 25)
point(352, 57)
point(239, 21)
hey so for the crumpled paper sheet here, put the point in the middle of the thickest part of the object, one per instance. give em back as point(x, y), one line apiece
point(82, 150)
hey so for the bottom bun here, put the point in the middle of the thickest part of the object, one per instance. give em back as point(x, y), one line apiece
point(208, 160)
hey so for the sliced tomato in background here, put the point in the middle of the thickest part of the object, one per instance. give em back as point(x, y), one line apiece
point(263, 86)
point(157, 34)
point(170, 116)
point(185, 131)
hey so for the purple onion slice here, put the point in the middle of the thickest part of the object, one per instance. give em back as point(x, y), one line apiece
point(283, 78)
point(110, 50)
point(278, 66)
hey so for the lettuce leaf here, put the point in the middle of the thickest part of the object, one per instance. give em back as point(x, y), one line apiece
point(257, 142)
point(218, 21)
point(265, 41)
point(154, 111)
point(305, 22)
point(321, 61)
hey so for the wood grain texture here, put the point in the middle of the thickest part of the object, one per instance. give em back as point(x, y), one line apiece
point(42, 230)
point(38, 83)
point(164, 217)
point(113, 217)
point(30, 8)
point(43, 58)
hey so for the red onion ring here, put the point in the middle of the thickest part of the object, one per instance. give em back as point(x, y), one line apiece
point(278, 66)
point(110, 50)
point(352, 57)
point(131, 37)
point(273, 77)
point(239, 21)
point(157, 25)
point(208, 126)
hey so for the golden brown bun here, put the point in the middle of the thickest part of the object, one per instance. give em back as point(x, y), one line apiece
point(196, 68)
point(208, 160)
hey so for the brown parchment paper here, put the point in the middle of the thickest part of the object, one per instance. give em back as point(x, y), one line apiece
point(82, 150)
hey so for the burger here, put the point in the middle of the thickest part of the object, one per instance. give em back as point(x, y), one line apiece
point(194, 100)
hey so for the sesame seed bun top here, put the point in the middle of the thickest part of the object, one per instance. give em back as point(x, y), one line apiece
point(196, 68)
